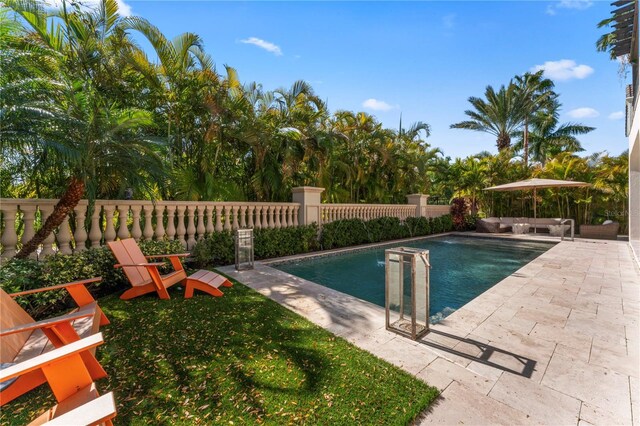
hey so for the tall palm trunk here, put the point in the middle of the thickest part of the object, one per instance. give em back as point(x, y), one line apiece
point(525, 143)
point(65, 205)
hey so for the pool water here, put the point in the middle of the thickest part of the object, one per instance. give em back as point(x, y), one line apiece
point(461, 269)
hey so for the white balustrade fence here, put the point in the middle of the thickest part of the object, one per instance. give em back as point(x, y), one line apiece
point(184, 221)
point(333, 212)
point(92, 226)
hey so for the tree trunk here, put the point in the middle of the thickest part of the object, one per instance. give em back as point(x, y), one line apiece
point(503, 142)
point(65, 205)
point(525, 143)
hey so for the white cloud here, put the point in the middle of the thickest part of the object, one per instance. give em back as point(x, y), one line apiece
point(564, 69)
point(448, 21)
point(263, 44)
point(377, 105)
point(584, 112)
point(552, 9)
point(618, 115)
point(123, 8)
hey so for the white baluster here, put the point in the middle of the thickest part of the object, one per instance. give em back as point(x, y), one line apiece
point(289, 217)
point(109, 231)
point(95, 233)
point(227, 218)
point(277, 212)
point(209, 229)
point(147, 232)
point(296, 211)
point(191, 227)
point(258, 223)
point(64, 236)
point(271, 219)
point(171, 222)
point(160, 232)
point(250, 212)
point(243, 212)
point(200, 229)
point(265, 216)
point(180, 229)
point(234, 213)
point(9, 236)
point(80, 236)
point(47, 244)
point(218, 218)
point(136, 231)
point(28, 218)
point(123, 217)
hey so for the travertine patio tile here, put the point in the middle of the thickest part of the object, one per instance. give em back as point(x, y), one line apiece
point(462, 375)
point(544, 405)
point(435, 378)
point(573, 353)
point(595, 385)
point(459, 405)
point(545, 315)
point(594, 415)
point(623, 364)
point(566, 337)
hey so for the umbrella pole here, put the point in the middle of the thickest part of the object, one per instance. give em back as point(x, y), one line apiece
point(535, 216)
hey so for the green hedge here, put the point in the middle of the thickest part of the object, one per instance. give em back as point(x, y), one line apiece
point(218, 249)
point(26, 274)
point(349, 232)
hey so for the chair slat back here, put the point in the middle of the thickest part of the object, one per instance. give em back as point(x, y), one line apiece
point(127, 251)
point(12, 315)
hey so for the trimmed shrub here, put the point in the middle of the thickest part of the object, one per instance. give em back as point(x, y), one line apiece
point(218, 248)
point(418, 226)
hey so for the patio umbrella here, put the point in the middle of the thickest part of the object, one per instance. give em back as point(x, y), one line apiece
point(534, 184)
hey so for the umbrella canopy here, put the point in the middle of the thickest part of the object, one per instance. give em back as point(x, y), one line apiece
point(534, 184)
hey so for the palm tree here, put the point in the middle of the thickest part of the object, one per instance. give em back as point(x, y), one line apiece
point(548, 138)
point(64, 110)
point(501, 114)
point(536, 95)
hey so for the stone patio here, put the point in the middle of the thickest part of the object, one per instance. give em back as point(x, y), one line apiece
point(557, 342)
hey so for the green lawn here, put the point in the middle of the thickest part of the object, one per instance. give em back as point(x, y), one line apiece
point(239, 359)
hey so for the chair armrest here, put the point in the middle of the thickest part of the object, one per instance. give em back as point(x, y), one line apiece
point(92, 412)
point(160, 256)
point(51, 357)
point(85, 311)
point(57, 287)
point(144, 264)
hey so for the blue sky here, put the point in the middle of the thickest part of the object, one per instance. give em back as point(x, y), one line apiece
point(419, 59)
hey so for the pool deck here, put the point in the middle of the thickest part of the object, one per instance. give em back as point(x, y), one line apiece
point(557, 342)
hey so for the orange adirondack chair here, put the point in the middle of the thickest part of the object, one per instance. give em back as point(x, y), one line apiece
point(70, 371)
point(145, 277)
point(23, 338)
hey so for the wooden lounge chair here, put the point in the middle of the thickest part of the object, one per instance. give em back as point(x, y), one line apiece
point(22, 338)
point(145, 277)
point(66, 369)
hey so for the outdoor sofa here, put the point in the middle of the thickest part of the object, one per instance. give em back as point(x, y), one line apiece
point(496, 225)
point(607, 231)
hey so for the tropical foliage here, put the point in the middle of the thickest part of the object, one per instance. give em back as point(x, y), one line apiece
point(86, 112)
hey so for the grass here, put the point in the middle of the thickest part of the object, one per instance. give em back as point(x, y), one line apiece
point(239, 359)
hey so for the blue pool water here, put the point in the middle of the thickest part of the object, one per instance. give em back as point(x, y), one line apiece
point(461, 269)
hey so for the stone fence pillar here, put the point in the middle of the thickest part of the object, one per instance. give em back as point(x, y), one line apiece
point(309, 199)
point(420, 201)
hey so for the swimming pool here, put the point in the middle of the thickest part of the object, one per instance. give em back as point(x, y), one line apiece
point(462, 268)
